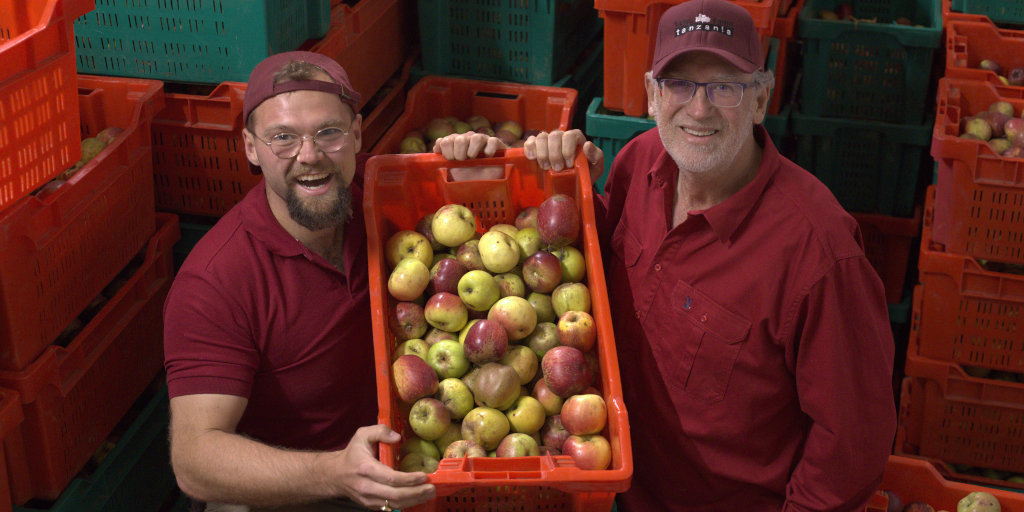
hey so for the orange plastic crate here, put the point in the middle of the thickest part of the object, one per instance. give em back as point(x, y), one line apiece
point(534, 107)
point(74, 396)
point(377, 122)
point(11, 448)
point(980, 197)
point(888, 242)
point(915, 479)
point(629, 27)
point(57, 253)
point(971, 39)
point(38, 93)
point(785, 31)
point(527, 483)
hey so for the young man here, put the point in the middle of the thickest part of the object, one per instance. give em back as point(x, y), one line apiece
point(752, 331)
point(268, 346)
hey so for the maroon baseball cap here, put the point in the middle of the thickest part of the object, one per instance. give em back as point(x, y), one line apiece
point(716, 26)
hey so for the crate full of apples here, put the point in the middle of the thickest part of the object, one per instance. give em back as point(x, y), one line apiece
point(493, 343)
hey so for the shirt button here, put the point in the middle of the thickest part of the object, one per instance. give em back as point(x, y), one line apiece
point(703, 318)
point(657, 267)
point(638, 314)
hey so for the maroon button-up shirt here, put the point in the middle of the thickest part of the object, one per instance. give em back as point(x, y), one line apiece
point(753, 341)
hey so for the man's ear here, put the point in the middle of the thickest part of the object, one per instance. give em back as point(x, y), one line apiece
point(250, 147)
point(652, 88)
point(764, 95)
point(357, 132)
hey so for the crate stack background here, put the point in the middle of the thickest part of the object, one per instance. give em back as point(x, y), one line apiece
point(962, 400)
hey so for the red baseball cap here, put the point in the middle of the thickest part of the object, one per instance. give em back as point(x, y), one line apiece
point(716, 26)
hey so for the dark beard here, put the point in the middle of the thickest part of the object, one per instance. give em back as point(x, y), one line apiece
point(334, 215)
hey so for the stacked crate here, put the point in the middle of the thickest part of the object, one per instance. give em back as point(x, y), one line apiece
point(962, 399)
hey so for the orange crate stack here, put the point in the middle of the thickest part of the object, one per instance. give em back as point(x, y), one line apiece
point(57, 253)
point(530, 483)
point(12, 450)
point(785, 31)
point(971, 39)
point(73, 396)
point(389, 106)
point(914, 479)
point(534, 107)
point(38, 93)
point(888, 242)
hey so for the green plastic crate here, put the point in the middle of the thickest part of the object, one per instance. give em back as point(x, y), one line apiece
point(532, 42)
point(876, 71)
point(1009, 12)
point(870, 167)
point(192, 229)
point(208, 41)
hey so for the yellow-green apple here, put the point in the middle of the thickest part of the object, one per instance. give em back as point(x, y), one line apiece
point(485, 342)
point(438, 127)
point(435, 335)
point(543, 338)
point(516, 315)
point(577, 329)
point(477, 121)
point(570, 297)
point(527, 218)
point(453, 225)
point(456, 396)
point(468, 254)
point(448, 359)
point(451, 434)
point(565, 371)
point(416, 444)
point(498, 252)
point(528, 241)
point(414, 378)
point(553, 433)
point(526, 415)
point(408, 280)
point(445, 311)
point(574, 264)
point(517, 444)
point(464, 448)
point(485, 426)
point(496, 386)
point(590, 451)
point(407, 321)
point(412, 145)
point(1002, 106)
point(424, 227)
point(417, 463)
point(429, 418)
point(445, 275)
point(558, 221)
point(478, 290)
point(584, 414)
point(510, 284)
point(542, 305)
point(978, 501)
point(542, 272)
point(415, 346)
point(514, 128)
point(408, 244)
point(508, 229)
point(551, 402)
point(523, 360)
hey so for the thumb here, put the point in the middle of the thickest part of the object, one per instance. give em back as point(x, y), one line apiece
point(595, 157)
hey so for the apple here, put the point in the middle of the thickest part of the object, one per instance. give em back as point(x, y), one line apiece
point(523, 360)
point(465, 329)
point(543, 338)
point(498, 252)
point(417, 463)
point(978, 501)
point(485, 342)
point(918, 506)
point(445, 275)
point(415, 346)
point(451, 434)
point(517, 444)
point(485, 426)
point(516, 315)
point(512, 127)
point(527, 218)
point(565, 371)
point(551, 402)
point(510, 284)
point(456, 396)
point(893, 502)
point(408, 244)
point(424, 227)
point(407, 321)
point(416, 444)
point(468, 253)
point(429, 418)
point(570, 297)
point(477, 122)
point(574, 264)
point(414, 378)
point(496, 386)
point(448, 359)
point(588, 451)
point(594, 365)
point(439, 127)
point(453, 225)
point(584, 414)
point(553, 433)
point(435, 335)
point(526, 415)
point(1003, 107)
point(464, 448)
point(508, 229)
point(542, 271)
point(445, 311)
point(408, 280)
point(1013, 127)
point(528, 240)
point(577, 329)
point(542, 305)
point(478, 290)
point(558, 221)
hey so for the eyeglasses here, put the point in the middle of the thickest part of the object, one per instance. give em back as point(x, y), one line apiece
point(720, 94)
point(287, 145)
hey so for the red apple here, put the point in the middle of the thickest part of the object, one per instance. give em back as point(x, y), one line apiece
point(517, 444)
point(527, 218)
point(1013, 127)
point(407, 321)
point(486, 341)
point(468, 254)
point(446, 311)
point(558, 221)
point(553, 433)
point(424, 228)
point(435, 335)
point(464, 448)
point(516, 315)
point(893, 503)
point(918, 506)
point(542, 272)
point(565, 371)
point(445, 275)
point(584, 414)
point(551, 402)
point(588, 451)
point(577, 329)
point(414, 378)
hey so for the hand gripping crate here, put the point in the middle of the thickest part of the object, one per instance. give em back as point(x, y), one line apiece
point(980, 195)
point(971, 39)
point(877, 71)
point(74, 396)
point(630, 27)
point(203, 42)
point(915, 479)
point(534, 107)
point(38, 93)
point(525, 483)
point(57, 253)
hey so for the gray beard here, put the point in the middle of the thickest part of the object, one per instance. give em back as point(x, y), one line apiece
point(328, 216)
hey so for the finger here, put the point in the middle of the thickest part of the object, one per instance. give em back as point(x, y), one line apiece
point(460, 147)
point(378, 434)
point(493, 145)
point(444, 146)
point(530, 147)
point(570, 141)
point(595, 157)
point(541, 148)
point(476, 144)
point(555, 150)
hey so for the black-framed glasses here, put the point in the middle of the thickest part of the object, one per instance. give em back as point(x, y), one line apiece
point(720, 94)
point(287, 145)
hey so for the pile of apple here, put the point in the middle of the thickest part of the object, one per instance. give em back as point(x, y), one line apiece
point(844, 12)
point(977, 501)
point(91, 146)
point(1003, 132)
point(1015, 76)
point(495, 344)
point(421, 141)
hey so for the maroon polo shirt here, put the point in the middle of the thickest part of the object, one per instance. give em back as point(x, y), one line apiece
point(254, 313)
point(753, 341)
